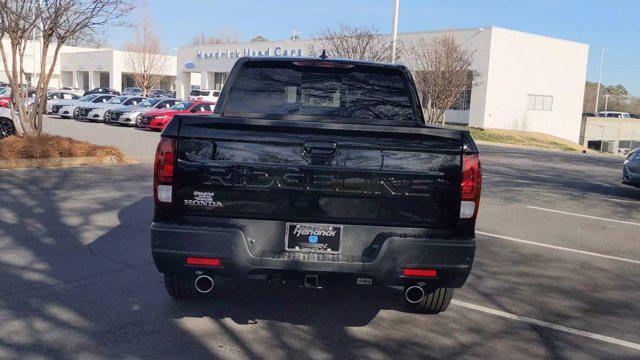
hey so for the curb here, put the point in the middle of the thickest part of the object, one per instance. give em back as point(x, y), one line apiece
point(530, 147)
point(61, 162)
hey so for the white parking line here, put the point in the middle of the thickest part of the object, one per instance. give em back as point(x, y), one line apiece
point(584, 216)
point(636, 202)
point(549, 325)
point(604, 256)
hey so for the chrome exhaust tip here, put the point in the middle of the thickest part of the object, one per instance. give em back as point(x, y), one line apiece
point(204, 284)
point(414, 294)
point(627, 178)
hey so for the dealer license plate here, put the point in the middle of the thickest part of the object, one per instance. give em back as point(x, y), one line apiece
point(313, 237)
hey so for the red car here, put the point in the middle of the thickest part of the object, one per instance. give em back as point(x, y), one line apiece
point(4, 101)
point(157, 119)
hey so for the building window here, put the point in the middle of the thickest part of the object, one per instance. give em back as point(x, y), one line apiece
point(539, 102)
point(219, 80)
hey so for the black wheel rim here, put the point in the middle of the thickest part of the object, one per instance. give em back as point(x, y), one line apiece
point(6, 129)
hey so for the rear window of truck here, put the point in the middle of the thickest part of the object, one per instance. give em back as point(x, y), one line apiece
point(340, 91)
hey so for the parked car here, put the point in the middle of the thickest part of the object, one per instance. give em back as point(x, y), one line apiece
point(61, 95)
point(7, 127)
point(614, 114)
point(159, 93)
point(132, 91)
point(631, 168)
point(53, 106)
point(74, 90)
point(69, 110)
point(100, 112)
point(204, 95)
point(7, 99)
point(352, 186)
point(130, 115)
point(157, 119)
point(102, 90)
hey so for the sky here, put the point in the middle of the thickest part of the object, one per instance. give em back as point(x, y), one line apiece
point(612, 24)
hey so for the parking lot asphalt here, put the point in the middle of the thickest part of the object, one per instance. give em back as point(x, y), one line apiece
point(137, 144)
point(556, 275)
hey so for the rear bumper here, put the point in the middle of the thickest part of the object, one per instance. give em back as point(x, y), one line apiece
point(172, 244)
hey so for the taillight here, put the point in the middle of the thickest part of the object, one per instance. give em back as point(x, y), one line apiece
point(203, 261)
point(470, 185)
point(163, 170)
point(420, 272)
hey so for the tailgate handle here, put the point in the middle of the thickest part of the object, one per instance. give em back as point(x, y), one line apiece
point(319, 148)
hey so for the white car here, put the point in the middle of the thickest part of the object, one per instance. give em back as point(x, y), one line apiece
point(204, 95)
point(101, 112)
point(73, 90)
point(130, 115)
point(59, 98)
point(71, 109)
point(614, 114)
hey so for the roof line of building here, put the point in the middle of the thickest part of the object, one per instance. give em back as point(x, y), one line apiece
point(539, 35)
point(400, 34)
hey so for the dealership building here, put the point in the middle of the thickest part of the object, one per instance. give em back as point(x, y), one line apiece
point(87, 68)
point(523, 81)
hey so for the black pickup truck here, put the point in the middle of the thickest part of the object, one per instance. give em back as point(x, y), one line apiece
point(312, 171)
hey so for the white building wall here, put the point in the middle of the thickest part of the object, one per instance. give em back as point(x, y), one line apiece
point(521, 64)
point(33, 52)
point(75, 66)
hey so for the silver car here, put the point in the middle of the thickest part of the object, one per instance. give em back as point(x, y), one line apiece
point(100, 112)
point(130, 115)
point(70, 109)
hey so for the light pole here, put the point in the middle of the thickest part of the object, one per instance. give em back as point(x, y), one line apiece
point(394, 41)
point(599, 80)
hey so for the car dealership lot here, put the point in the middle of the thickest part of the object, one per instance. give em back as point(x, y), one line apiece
point(557, 272)
point(139, 144)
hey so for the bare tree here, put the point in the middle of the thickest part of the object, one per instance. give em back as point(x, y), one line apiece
point(144, 57)
point(351, 42)
point(258, 38)
point(55, 22)
point(442, 72)
point(225, 36)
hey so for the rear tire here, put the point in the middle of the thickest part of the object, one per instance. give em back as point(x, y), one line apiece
point(180, 287)
point(436, 300)
point(6, 128)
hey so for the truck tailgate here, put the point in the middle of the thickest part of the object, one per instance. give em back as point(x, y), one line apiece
point(318, 172)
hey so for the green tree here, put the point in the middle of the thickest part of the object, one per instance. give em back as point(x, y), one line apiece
point(616, 90)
